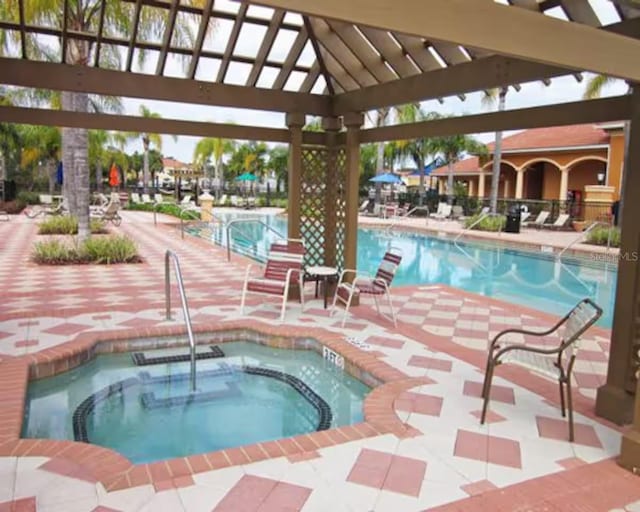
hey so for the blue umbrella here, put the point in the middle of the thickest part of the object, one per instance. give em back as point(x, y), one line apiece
point(387, 177)
point(59, 174)
point(429, 168)
point(247, 176)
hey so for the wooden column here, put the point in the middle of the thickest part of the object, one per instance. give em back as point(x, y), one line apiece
point(615, 400)
point(331, 125)
point(519, 183)
point(295, 122)
point(471, 190)
point(353, 122)
point(481, 186)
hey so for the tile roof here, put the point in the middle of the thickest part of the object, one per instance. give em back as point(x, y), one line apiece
point(469, 165)
point(172, 163)
point(555, 137)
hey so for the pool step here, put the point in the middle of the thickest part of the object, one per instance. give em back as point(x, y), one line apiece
point(149, 400)
point(140, 359)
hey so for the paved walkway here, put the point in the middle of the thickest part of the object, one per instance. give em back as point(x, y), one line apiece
point(519, 460)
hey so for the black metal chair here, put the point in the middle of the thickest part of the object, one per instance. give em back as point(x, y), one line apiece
point(555, 361)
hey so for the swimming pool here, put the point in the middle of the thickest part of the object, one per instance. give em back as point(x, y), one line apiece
point(537, 280)
point(252, 393)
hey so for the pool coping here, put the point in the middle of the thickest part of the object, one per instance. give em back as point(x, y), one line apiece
point(114, 471)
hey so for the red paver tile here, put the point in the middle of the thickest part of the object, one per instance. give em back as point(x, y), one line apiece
point(67, 328)
point(247, 495)
point(384, 342)
point(68, 468)
point(285, 497)
point(552, 428)
point(418, 403)
point(589, 380)
point(105, 509)
point(26, 343)
point(431, 363)
point(571, 462)
point(498, 393)
point(22, 505)
point(491, 417)
point(496, 450)
point(479, 487)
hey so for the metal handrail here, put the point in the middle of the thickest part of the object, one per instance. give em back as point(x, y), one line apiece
point(473, 224)
point(185, 307)
point(408, 214)
point(582, 234)
point(232, 224)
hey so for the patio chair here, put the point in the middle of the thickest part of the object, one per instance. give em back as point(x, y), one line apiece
point(539, 220)
point(363, 284)
point(283, 268)
point(551, 359)
point(442, 213)
point(364, 206)
point(109, 213)
point(438, 212)
point(560, 222)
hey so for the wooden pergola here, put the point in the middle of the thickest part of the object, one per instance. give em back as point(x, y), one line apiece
point(344, 58)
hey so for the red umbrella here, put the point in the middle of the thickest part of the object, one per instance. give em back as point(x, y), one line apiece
point(114, 176)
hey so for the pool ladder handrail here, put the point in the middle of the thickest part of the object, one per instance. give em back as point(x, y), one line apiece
point(232, 225)
point(170, 255)
point(408, 214)
point(583, 233)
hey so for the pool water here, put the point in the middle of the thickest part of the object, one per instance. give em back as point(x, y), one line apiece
point(532, 279)
point(147, 413)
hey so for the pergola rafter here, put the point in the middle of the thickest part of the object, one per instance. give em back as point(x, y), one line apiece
point(202, 34)
point(134, 34)
point(103, 8)
point(168, 34)
point(231, 44)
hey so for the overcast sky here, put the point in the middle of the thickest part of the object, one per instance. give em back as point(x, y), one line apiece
point(532, 94)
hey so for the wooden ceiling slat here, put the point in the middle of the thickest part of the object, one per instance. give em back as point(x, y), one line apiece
point(372, 61)
point(581, 11)
point(339, 74)
point(265, 47)
point(134, 34)
point(23, 34)
point(99, 34)
point(63, 45)
point(166, 39)
point(391, 52)
point(203, 28)
point(292, 58)
point(416, 50)
point(341, 53)
point(231, 44)
point(320, 56)
point(311, 78)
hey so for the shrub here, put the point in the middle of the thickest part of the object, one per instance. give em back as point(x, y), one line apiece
point(166, 208)
point(26, 197)
point(489, 223)
point(103, 250)
point(600, 236)
point(67, 225)
point(12, 207)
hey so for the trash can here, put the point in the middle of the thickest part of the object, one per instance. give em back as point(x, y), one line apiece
point(513, 221)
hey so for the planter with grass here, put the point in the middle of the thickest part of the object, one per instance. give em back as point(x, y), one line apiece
point(67, 225)
point(488, 223)
point(600, 236)
point(96, 250)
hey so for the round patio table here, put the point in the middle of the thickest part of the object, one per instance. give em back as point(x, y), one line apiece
point(324, 274)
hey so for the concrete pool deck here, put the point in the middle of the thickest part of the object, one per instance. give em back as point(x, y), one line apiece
point(443, 459)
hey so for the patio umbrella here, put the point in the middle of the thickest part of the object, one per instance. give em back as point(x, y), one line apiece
point(59, 174)
point(387, 177)
point(114, 176)
point(247, 176)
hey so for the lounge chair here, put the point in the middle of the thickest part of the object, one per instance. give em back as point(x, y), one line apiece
point(457, 212)
point(524, 216)
point(555, 359)
point(158, 199)
point(442, 213)
point(364, 206)
point(283, 268)
point(438, 212)
point(539, 220)
point(223, 200)
point(109, 213)
point(146, 199)
point(362, 284)
point(560, 222)
point(135, 198)
point(235, 201)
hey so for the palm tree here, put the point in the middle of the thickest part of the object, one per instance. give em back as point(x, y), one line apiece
point(40, 146)
point(98, 140)
point(116, 17)
point(452, 148)
point(216, 148)
point(279, 164)
point(488, 99)
point(147, 140)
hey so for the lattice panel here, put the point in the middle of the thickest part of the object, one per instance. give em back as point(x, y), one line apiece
point(322, 205)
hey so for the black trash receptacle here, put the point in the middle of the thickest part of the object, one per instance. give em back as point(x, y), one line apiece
point(513, 222)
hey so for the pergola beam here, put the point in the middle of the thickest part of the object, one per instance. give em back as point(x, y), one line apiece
point(489, 26)
point(48, 117)
point(23, 34)
point(199, 42)
point(591, 111)
point(63, 77)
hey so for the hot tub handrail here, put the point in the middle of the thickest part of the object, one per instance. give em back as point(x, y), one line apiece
point(170, 255)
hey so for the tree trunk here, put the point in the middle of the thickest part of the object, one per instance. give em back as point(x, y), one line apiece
point(145, 168)
point(216, 177)
point(99, 175)
point(450, 182)
point(80, 138)
point(497, 156)
point(68, 181)
point(51, 175)
point(381, 120)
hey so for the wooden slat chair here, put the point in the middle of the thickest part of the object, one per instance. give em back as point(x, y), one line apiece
point(377, 286)
point(283, 268)
point(554, 360)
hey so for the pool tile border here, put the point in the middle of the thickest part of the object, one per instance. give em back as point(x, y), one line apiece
point(115, 472)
